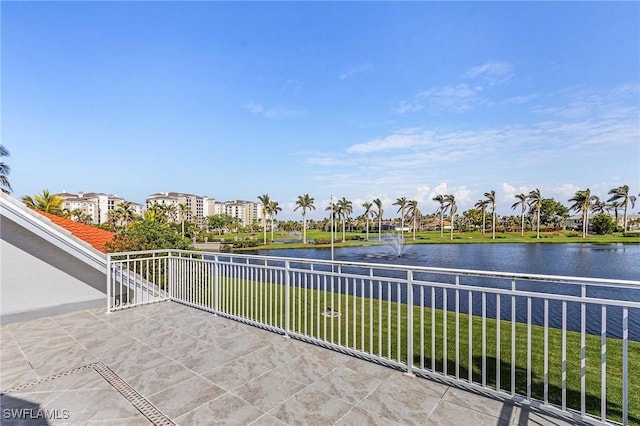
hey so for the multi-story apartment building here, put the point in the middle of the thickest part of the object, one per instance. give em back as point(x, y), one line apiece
point(246, 212)
point(195, 205)
point(96, 205)
point(199, 208)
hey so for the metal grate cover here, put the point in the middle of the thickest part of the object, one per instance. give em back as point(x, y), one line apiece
point(154, 415)
point(147, 409)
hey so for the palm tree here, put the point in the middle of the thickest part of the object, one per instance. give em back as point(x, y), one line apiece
point(482, 206)
point(367, 213)
point(379, 213)
point(414, 213)
point(170, 212)
point(402, 205)
point(273, 210)
point(535, 202)
point(582, 201)
point(599, 207)
point(522, 203)
point(333, 208)
point(452, 207)
point(182, 214)
point(155, 213)
point(45, 202)
point(304, 202)
point(621, 194)
point(265, 201)
point(345, 208)
point(5, 186)
point(615, 205)
point(491, 198)
point(441, 199)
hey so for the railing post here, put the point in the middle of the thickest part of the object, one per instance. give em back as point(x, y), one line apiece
point(108, 283)
point(287, 297)
point(409, 324)
point(170, 276)
point(216, 283)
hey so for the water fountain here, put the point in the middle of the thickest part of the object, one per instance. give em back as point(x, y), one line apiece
point(396, 243)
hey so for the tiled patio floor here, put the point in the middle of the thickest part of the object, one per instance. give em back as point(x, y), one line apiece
point(199, 369)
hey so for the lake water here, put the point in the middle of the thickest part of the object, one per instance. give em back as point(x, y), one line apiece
point(614, 261)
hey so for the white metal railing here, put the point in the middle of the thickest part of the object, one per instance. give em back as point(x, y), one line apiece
point(564, 344)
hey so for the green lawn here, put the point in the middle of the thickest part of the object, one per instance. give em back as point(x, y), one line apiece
point(380, 328)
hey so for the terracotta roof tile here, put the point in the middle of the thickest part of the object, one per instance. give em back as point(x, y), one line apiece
point(90, 234)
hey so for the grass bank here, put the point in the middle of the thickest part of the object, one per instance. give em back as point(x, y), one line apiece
point(321, 239)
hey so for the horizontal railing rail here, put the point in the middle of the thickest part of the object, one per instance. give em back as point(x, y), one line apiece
point(564, 344)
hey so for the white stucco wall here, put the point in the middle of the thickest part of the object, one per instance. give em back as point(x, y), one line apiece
point(38, 279)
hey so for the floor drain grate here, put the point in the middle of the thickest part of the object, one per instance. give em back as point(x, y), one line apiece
point(154, 415)
point(47, 379)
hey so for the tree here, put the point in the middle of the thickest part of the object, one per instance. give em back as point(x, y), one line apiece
point(273, 210)
point(156, 213)
point(379, 213)
point(182, 214)
point(414, 213)
point(535, 202)
point(582, 201)
point(522, 203)
point(602, 223)
point(402, 205)
point(452, 207)
point(491, 198)
point(125, 213)
point(345, 208)
point(621, 194)
point(148, 235)
point(5, 186)
point(265, 201)
point(367, 213)
point(333, 208)
point(442, 201)
point(45, 202)
point(482, 206)
point(551, 210)
point(305, 202)
point(599, 207)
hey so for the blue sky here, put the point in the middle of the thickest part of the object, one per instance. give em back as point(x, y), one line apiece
point(360, 100)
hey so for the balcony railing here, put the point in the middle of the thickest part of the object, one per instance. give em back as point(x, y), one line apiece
point(563, 344)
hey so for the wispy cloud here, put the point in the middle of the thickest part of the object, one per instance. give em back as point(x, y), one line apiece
point(494, 72)
point(458, 98)
point(535, 154)
point(464, 96)
point(273, 113)
point(354, 70)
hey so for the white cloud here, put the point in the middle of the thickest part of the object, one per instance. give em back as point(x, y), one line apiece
point(354, 70)
point(402, 139)
point(273, 113)
point(494, 72)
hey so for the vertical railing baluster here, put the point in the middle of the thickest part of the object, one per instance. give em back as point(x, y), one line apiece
point(457, 301)
point(484, 339)
point(287, 298)
point(625, 366)
point(545, 372)
point(498, 354)
point(603, 364)
point(409, 323)
point(564, 355)
point(583, 350)
point(513, 339)
point(529, 348)
point(470, 337)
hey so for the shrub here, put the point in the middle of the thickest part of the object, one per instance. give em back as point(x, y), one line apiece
point(602, 224)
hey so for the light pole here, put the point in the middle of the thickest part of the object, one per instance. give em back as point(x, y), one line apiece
point(332, 226)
